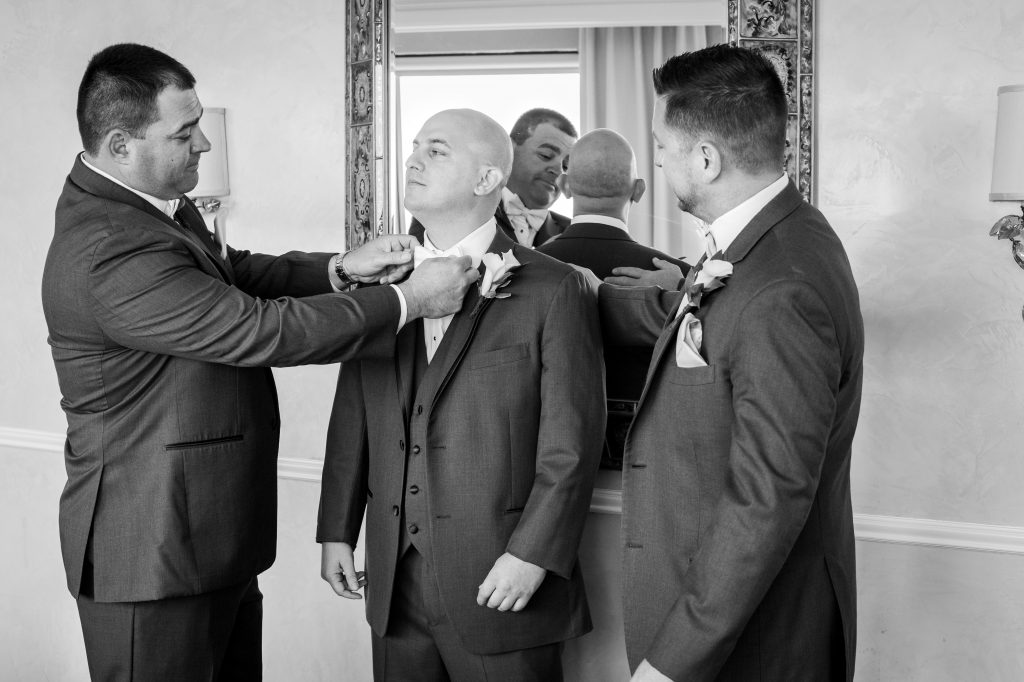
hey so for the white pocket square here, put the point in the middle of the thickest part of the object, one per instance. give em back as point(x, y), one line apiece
point(688, 340)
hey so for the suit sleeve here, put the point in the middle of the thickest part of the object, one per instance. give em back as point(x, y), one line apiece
point(346, 462)
point(149, 295)
point(785, 372)
point(290, 274)
point(634, 316)
point(571, 433)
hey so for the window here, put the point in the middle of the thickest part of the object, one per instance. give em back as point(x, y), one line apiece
point(501, 86)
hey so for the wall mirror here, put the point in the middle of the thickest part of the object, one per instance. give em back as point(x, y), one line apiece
point(410, 58)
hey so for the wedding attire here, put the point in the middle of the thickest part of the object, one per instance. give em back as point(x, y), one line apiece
point(540, 232)
point(737, 525)
point(490, 447)
point(162, 349)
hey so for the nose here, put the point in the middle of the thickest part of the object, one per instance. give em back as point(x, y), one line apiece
point(412, 161)
point(200, 143)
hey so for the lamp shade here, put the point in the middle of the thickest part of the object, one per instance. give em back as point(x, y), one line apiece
point(1008, 162)
point(213, 165)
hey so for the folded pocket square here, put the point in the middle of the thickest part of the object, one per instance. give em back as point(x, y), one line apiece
point(688, 340)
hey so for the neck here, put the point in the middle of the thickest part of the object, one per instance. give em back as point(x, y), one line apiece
point(736, 188)
point(612, 207)
point(446, 229)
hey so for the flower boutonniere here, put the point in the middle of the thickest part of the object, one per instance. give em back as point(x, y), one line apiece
point(497, 275)
point(710, 277)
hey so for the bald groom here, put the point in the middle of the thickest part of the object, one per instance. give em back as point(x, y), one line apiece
point(472, 452)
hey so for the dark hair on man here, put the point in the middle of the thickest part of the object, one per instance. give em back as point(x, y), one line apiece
point(732, 94)
point(120, 88)
point(528, 122)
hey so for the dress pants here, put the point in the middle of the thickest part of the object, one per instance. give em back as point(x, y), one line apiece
point(211, 637)
point(421, 645)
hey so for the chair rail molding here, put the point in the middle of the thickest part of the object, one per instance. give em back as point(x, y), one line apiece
point(979, 537)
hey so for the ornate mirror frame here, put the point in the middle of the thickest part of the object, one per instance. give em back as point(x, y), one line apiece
point(783, 31)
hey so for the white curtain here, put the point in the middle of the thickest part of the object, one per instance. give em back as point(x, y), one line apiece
point(616, 92)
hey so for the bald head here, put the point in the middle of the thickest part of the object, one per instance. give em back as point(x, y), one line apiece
point(601, 165)
point(601, 177)
point(481, 135)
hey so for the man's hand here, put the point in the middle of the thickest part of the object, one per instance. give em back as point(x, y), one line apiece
point(436, 288)
point(338, 568)
point(385, 259)
point(667, 275)
point(510, 584)
point(645, 672)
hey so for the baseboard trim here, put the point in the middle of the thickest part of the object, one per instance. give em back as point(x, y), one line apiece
point(979, 537)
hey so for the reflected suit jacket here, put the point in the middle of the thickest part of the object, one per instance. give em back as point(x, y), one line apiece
point(509, 417)
point(737, 525)
point(162, 350)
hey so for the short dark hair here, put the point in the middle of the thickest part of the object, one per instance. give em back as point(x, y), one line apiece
point(120, 88)
point(528, 122)
point(731, 93)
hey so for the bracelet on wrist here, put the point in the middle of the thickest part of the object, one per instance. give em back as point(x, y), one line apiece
point(347, 282)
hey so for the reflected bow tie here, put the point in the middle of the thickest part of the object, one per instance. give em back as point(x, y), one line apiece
point(525, 221)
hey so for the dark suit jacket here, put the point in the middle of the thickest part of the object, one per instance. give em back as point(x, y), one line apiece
point(509, 416)
point(554, 225)
point(161, 349)
point(737, 523)
point(601, 248)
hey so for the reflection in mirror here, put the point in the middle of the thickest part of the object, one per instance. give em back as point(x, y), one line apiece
point(596, 77)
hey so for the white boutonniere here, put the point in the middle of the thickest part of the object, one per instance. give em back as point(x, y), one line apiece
point(497, 275)
point(710, 277)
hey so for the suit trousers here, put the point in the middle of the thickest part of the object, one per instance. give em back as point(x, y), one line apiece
point(421, 644)
point(215, 636)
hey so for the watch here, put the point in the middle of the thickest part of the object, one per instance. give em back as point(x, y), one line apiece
point(347, 282)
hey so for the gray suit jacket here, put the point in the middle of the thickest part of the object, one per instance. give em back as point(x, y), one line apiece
point(737, 523)
point(162, 351)
point(509, 417)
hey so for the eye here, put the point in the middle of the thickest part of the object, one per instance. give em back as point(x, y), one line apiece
point(546, 157)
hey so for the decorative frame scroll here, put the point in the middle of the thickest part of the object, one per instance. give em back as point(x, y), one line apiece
point(783, 30)
point(366, 107)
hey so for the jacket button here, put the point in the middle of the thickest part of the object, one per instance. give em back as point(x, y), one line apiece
point(401, 445)
point(413, 489)
point(394, 510)
point(413, 529)
point(415, 449)
point(419, 409)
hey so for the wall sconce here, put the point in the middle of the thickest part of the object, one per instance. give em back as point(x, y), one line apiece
point(1008, 167)
point(213, 173)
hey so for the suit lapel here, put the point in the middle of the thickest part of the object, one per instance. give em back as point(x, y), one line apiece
point(405, 367)
point(458, 336)
point(193, 220)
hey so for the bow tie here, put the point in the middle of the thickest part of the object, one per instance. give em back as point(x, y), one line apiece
point(526, 221)
point(424, 252)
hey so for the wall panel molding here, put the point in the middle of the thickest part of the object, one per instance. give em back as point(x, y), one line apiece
point(979, 537)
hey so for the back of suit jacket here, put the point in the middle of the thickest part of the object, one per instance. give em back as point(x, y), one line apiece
point(508, 420)
point(737, 521)
point(162, 351)
point(601, 248)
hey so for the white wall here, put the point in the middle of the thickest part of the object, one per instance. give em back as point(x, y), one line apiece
point(906, 96)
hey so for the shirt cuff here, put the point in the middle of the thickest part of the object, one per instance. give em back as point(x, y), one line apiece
point(402, 306)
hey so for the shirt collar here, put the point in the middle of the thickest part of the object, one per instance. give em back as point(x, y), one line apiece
point(474, 244)
point(166, 206)
point(602, 219)
point(728, 225)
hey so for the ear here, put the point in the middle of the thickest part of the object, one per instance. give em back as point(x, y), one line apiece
point(709, 158)
point(118, 145)
point(562, 183)
point(639, 187)
point(490, 180)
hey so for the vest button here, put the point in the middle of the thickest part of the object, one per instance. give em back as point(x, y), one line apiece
point(413, 529)
point(401, 445)
point(394, 510)
point(413, 489)
point(419, 409)
point(415, 449)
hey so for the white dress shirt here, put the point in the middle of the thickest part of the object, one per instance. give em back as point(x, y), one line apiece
point(602, 219)
point(474, 245)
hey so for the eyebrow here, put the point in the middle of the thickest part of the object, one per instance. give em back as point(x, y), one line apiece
point(188, 124)
point(553, 147)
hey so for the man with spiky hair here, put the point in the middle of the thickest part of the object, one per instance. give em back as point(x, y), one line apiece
point(737, 524)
